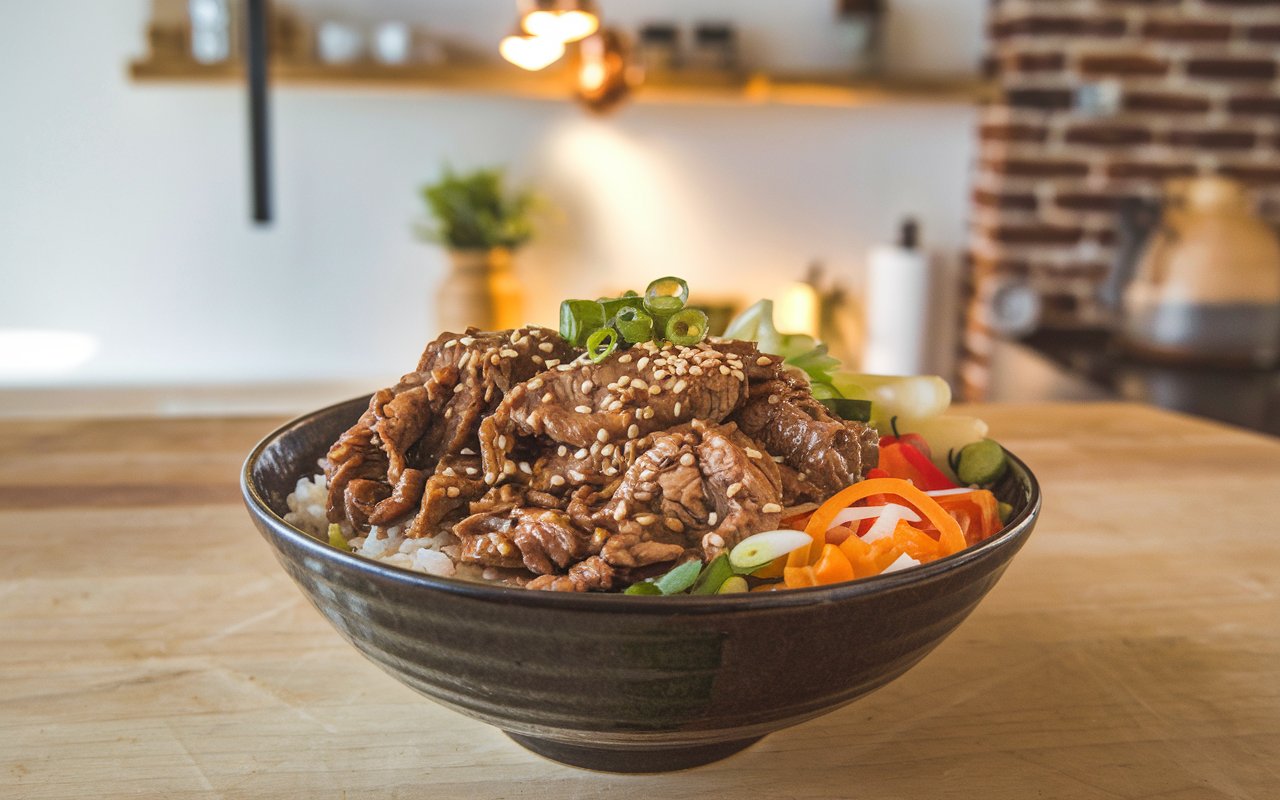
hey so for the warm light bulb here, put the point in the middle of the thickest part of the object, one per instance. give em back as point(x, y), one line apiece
point(564, 26)
point(592, 75)
point(531, 52)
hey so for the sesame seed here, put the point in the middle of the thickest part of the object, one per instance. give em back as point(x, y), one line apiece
point(523, 340)
point(582, 409)
point(646, 519)
point(712, 519)
point(490, 478)
point(581, 453)
point(610, 471)
point(625, 358)
point(674, 524)
point(587, 386)
point(448, 472)
point(457, 387)
point(552, 362)
point(763, 361)
point(643, 497)
point(687, 459)
point(509, 468)
point(633, 430)
point(616, 405)
point(602, 435)
point(535, 384)
point(639, 384)
point(643, 362)
point(537, 359)
point(771, 508)
point(695, 370)
point(680, 386)
point(737, 373)
point(575, 475)
point(647, 474)
point(448, 412)
point(562, 367)
point(467, 451)
point(655, 389)
point(508, 353)
point(675, 410)
point(451, 343)
point(607, 450)
point(557, 480)
point(724, 370)
point(525, 468)
point(733, 489)
point(595, 448)
point(466, 359)
point(502, 441)
point(620, 511)
point(546, 347)
point(471, 470)
point(754, 453)
point(467, 340)
point(648, 413)
point(659, 374)
point(453, 491)
point(561, 450)
point(504, 547)
point(624, 380)
point(774, 399)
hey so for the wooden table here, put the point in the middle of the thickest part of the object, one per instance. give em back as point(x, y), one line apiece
point(150, 646)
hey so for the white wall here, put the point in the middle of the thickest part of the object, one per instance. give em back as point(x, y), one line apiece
point(124, 208)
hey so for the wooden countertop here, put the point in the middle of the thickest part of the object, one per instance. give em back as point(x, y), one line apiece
point(151, 647)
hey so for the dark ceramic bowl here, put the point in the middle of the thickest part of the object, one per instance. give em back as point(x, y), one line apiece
point(614, 682)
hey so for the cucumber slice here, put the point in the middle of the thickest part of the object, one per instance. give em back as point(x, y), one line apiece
point(981, 463)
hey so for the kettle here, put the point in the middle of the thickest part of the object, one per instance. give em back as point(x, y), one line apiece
point(1197, 277)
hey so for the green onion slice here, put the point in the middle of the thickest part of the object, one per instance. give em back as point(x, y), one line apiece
point(601, 343)
point(634, 324)
point(679, 579)
point(666, 295)
point(643, 587)
point(578, 318)
point(614, 305)
point(714, 576)
point(856, 410)
point(687, 326)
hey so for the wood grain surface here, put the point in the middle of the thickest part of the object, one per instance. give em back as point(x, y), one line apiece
point(151, 647)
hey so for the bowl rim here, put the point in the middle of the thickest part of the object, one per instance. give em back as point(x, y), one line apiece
point(614, 602)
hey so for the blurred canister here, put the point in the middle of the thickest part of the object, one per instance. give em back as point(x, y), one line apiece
point(897, 306)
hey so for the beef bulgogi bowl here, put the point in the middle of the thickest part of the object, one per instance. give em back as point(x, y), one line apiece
point(629, 451)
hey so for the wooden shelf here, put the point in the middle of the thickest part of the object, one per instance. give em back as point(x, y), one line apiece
point(812, 90)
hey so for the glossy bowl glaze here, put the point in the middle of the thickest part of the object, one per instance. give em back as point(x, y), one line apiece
point(613, 682)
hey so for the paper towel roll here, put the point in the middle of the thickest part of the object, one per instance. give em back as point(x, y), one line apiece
point(897, 311)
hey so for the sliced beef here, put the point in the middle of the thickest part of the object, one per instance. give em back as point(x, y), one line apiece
point(701, 487)
point(378, 470)
point(589, 575)
point(544, 541)
point(826, 452)
point(613, 405)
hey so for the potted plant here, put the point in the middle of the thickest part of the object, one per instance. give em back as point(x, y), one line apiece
point(480, 224)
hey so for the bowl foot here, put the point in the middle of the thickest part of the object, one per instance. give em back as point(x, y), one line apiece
point(603, 759)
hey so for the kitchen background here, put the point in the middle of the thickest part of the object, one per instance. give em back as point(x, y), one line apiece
point(1011, 131)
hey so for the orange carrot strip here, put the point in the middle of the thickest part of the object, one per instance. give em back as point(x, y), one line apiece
point(832, 566)
point(800, 577)
point(951, 535)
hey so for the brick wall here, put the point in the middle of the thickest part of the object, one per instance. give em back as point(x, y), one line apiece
point(1195, 88)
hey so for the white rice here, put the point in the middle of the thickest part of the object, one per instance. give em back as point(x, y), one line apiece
point(432, 555)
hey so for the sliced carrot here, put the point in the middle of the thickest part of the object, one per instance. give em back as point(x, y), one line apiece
point(915, 543)
point(800, 577)
point(934, 514)
point(773, 569)
point(981, 509)
point(832, 566)
point(769, 587)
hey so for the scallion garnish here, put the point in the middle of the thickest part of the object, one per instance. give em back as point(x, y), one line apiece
point(578, 318)
point(635, 325)
point(666, 295)
point(601, 343)
point(687, 326)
